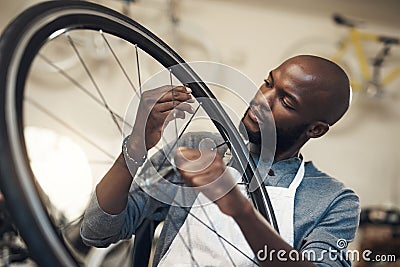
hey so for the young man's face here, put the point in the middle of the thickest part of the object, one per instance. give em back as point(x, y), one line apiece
point(283, 94)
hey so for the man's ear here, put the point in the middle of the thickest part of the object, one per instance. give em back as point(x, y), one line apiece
point(317, 129)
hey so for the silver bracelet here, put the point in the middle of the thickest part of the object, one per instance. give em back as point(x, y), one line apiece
point(128, 159)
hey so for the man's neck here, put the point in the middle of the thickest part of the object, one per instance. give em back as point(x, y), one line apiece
point(286, 155)
point(279, 155)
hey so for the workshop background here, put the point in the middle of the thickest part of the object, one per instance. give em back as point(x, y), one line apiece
point(255, 36)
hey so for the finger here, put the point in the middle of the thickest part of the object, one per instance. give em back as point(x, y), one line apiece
point(185, 153)
point(196, 161)
point(168, 106)
point(163, 118)
point(191, 100)
point(171, 115)
point(175, 96)
point(198, 178)
point(182, 89)
point(154, 95)
point(176, 92)
point(165, 106)
point(185, 107)
point(166, 88)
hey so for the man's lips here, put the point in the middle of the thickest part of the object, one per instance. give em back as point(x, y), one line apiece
point(255, 113)
point(252, 116)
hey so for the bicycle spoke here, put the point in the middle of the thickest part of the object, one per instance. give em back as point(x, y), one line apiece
point(28, 35)
point(188, 231)
point(220, 236)
point(166, 155)
point(72, 129)
point(188, 212)
point(188, 246)
point(118, 61)
point(138, 69)
point(169, 216)
point(173, 103)
point(93, 81)
point(209, 219)
point(81, 87)
point(139, 78)
point(210, 226)
point(223, 143)
point(179, 137)
point(213, 227)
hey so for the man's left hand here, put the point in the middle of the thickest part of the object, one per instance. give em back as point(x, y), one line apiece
point(205, 170)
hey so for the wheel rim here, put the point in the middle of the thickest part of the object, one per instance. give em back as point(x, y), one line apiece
point(58, 18)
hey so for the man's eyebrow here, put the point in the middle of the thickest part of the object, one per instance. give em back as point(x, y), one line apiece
point(272, 77)
point(286, 93)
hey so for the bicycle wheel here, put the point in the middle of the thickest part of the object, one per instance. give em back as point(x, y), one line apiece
point(20, 46)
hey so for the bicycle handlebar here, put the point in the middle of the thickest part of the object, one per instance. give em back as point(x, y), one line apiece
point(389, 40)
point(339, 19)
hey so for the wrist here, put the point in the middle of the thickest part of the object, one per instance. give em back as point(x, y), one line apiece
point(134, 152)
point(144, 138)
point(245, 211)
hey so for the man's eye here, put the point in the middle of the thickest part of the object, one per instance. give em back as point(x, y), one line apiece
point(285, 104)
point(267, 83)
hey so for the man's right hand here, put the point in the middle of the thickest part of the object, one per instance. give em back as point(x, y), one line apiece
point(154, 113)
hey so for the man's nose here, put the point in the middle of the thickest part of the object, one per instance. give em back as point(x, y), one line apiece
point(265, 98)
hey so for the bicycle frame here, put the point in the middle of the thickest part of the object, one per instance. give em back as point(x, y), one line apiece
point(356, 39)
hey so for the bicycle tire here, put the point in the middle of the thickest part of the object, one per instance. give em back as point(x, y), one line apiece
point(19, 43)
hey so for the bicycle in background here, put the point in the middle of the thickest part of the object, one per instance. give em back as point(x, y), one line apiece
point(367, 57)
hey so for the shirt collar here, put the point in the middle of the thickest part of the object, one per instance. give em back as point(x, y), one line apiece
point(282, 167)
point(286, 166)
point(281, 173)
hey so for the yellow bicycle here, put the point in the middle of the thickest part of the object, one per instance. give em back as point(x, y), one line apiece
point(374, 75)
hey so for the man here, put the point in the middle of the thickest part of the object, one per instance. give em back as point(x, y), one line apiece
point(306, 95)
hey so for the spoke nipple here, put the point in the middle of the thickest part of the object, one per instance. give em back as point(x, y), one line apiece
point(101, 32)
